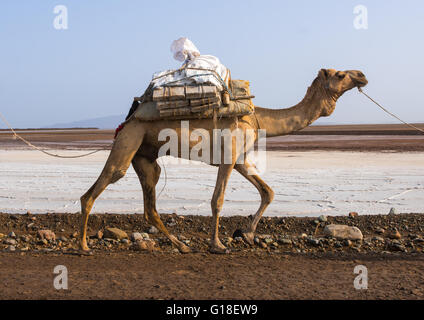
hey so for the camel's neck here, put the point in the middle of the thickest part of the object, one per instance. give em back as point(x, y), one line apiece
point(316, 103)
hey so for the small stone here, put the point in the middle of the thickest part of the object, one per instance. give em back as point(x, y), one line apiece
point(63, 239)
point(24, 249)
point(397, 247)
point(395, 235)
point(322, 218)
point(46, 234)
point(11, 248)
point(28, 213)
point(153, 230)
point(30, 225)
point(353, 214)
point(263, 245)
point(392, 211)
point(12, 235)
point(238, 239)
point(316, 222)
point(347, 243)
point(74, 235)
point(264, 236)
point(125, 241)
point(144, 245)
point(379, 230)
point(145, 236)
point(99, 234)
point(313, 241)
point(268, 240)
point(26, 238)
point(10, 241)
point(285, 241)
point(340, 231)
point(275, 244)
point(136, 236)
point(256, 240)
point(2, 235)
point(115, 233)
point(303, 235)
point(378, 239)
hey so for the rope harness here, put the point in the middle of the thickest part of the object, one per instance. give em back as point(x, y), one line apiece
point(388, 112)
point(15, 135)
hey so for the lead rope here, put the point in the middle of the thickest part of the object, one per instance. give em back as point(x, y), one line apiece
point(15, 135)
point(387, 111)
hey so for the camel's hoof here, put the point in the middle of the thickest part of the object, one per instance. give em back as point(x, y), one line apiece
point(248, 237)
point(184, 249)
point(85, 252)
point(217, 250)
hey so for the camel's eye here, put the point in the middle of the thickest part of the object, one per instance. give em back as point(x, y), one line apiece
point(341, 76)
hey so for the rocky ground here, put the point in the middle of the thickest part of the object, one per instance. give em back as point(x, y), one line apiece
point(120, 232)
point(293, 258)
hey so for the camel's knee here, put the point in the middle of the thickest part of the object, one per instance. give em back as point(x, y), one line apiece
point(87, 198)
point(116, 175)
point(216, 205)
point(268, 195)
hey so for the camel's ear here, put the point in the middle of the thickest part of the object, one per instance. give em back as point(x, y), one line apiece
point(323, 73)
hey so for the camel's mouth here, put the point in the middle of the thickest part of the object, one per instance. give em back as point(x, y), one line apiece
point(358, 78)
point(360, 83)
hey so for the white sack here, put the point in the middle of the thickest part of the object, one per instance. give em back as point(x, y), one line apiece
point(184, 50)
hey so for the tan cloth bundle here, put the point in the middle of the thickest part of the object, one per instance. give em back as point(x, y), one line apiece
point(195, 102)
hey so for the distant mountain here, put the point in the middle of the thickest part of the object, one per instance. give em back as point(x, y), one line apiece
point(110, 122)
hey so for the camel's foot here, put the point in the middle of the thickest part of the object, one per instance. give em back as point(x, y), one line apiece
point(218, 248)
point(184, 249)
point(247, 236)
point(83, 246)
point(180, 246)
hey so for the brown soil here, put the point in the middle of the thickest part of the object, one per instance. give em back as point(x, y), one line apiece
point(363, 138)
point(300, 270)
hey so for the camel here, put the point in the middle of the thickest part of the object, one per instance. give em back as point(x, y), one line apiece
point(138, 144)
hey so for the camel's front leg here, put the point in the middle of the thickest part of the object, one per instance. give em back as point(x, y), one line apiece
point(267, 195)
point(123, 150)
point(217, 202)
point(148, 173)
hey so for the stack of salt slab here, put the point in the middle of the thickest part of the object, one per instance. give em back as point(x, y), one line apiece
point(176, 101)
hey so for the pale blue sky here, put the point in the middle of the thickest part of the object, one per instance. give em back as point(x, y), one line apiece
point(111, 49)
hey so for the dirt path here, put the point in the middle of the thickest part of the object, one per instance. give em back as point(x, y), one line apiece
point(289, 261)
point(204, 276)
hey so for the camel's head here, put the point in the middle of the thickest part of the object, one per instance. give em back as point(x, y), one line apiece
point(338, 82)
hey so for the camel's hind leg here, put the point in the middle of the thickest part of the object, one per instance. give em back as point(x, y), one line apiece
point(267, 195)
point(125, 146)
point(217, 202)
point(148, 173)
